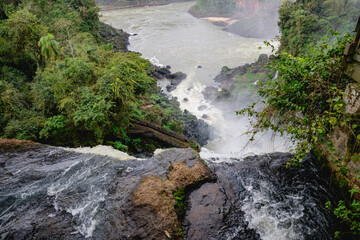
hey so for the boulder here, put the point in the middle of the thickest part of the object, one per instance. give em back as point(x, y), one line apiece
point(177, 76)
point(54, 193)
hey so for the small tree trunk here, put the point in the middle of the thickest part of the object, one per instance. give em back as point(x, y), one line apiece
point(70, 44)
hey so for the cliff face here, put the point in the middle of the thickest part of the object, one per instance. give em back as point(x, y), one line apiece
point(343, 143)
point(249, 18)
point(235, 8)
point(255, 7)
point(114, 4)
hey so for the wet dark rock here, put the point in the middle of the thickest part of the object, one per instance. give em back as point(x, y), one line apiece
point(199, 66)
point(164, 72)
point(177, 76)
point(204, 219)
point(125, 199)
point(168, 67)
point(117, 37)
point(170, 88)
point(185, 99)
point(263, 57)
point(160, 72)
point(86, 196)
point(226, 76)
point(218, 210)
point(205, 116)
point(194, 128)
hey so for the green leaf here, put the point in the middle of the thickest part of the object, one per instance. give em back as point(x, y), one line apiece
point(333, 120)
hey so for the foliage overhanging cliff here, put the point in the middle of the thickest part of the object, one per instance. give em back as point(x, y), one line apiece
point(65, 78)
point(317, 102)
point(305, 22)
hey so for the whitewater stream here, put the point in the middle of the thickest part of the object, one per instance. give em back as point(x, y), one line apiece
point(169, 35)
point(57, 193)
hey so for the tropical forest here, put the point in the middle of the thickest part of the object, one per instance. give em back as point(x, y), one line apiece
point(180, 119)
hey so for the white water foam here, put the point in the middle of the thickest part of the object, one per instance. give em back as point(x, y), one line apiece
point(87, 171)
point(267, 217)
point(158, 151)
point(104, 151)
point(155, 61)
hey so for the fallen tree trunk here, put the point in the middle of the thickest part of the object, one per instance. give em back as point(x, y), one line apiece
point(145, 129)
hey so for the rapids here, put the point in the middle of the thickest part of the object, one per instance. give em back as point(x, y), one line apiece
point(57, 193)
point(169, 35)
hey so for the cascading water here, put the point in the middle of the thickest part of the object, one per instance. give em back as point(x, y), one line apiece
point(169, 35)
point(58, 193)
point(85, 193)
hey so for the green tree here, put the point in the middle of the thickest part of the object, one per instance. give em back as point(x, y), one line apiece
point(303, 23)
point(49, 47)
point(308, 97)
point(23, 31)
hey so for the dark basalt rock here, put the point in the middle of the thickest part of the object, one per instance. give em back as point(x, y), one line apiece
point(117, 37)
point(215, 210)
point(194, 128)
point(164, 72)
point(124, 199)
point(227, 75)
point(52, 193)
point(160, 72)
point(170, 88)
point(210, 207)
point(176, 79)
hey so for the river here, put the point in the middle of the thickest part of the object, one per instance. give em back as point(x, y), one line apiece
point(56, 193)
point(169, 35)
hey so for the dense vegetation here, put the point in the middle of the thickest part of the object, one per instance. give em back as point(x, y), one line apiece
point(60, 83)
point(308, 95)
point(305, 22)
point(309, 92)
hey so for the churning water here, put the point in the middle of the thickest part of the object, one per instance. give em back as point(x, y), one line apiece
point(57, 193)
point(169, 35)
point(83, 193)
